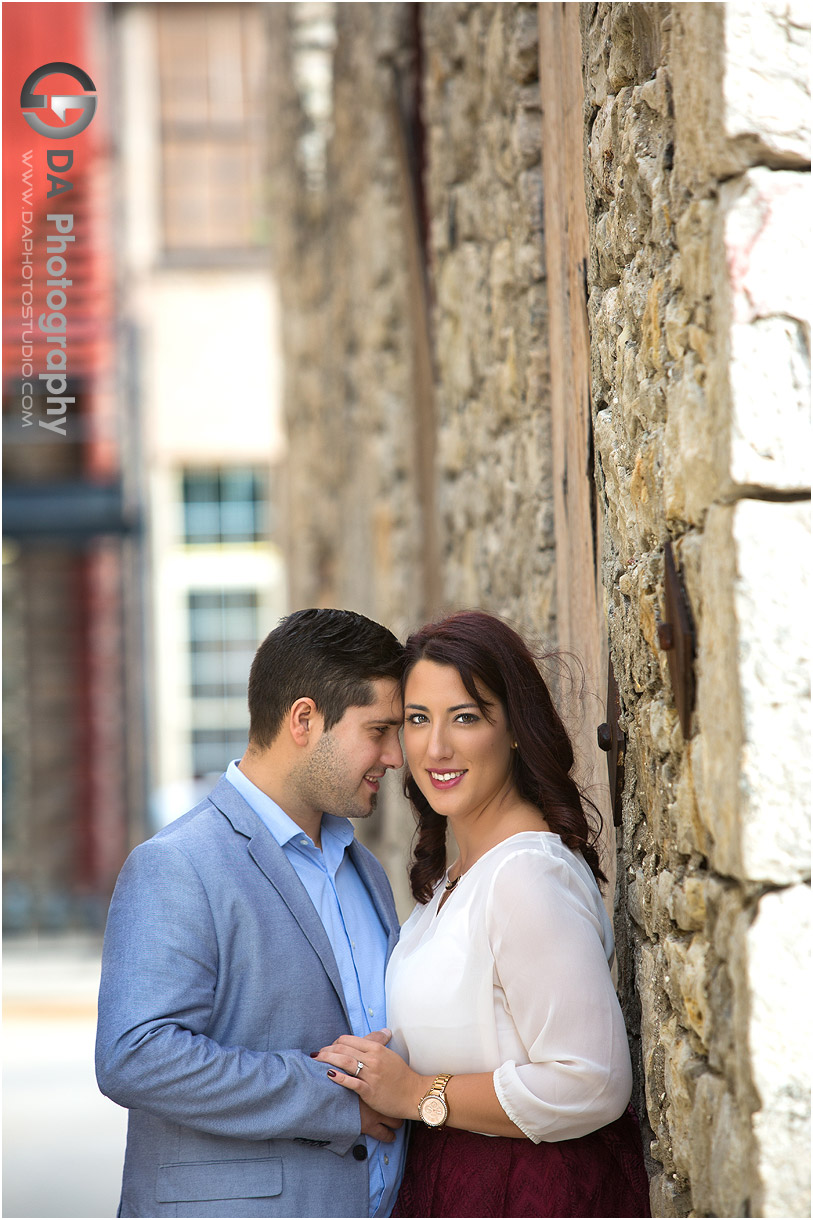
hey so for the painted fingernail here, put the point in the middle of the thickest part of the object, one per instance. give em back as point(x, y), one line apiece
point(330, 1072)
point(314, 1054)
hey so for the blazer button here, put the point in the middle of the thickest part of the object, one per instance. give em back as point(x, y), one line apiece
point(360, 1152)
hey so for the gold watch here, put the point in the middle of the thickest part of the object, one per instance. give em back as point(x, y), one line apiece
point(432, 1107)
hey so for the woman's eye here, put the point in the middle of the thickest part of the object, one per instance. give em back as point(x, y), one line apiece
point(415, 718)
point(467, 718)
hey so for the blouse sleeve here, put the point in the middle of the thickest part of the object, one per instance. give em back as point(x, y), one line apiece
point(546, 937)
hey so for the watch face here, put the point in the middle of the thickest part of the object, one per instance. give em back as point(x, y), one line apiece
point(434, 1111)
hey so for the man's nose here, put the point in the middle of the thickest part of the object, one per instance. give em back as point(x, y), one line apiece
point(393, 755)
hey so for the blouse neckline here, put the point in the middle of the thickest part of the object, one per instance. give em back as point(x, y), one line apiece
point(438, 894)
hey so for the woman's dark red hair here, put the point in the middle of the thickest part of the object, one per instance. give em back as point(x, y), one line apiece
point(486, 652)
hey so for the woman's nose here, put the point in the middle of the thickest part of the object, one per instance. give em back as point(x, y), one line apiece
point(439, 742)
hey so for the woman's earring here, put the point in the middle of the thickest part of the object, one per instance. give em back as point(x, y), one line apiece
point(513, 745)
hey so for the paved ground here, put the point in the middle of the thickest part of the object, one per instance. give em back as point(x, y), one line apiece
point(63, 1143)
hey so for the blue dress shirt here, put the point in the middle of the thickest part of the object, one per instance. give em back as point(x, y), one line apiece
point(358, 940)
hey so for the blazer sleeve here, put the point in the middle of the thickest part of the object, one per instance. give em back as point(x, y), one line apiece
point(159, 973)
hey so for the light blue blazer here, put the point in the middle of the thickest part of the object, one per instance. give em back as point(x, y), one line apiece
point(218, 980)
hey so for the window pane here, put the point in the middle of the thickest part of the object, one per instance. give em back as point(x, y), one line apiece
point(207, 673)
point(237, 522)
point(224, 506)
point(212, 750)
point(202, 522)
point(213, 99)
point(223, 629)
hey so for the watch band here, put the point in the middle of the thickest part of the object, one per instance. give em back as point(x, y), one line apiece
point(438, 1085)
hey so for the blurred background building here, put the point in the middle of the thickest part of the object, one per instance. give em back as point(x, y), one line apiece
point(405, 307)
point(141, 554)
point(199, 312)
point(74, 749)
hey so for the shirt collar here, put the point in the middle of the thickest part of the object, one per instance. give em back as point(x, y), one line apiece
point(283, 828)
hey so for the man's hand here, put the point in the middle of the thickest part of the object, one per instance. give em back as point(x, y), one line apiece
point(379, 1126)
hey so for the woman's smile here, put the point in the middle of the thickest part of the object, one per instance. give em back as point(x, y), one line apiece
point(446, 779)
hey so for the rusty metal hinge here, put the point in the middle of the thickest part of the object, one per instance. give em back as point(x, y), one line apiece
point(614, 742)
point(676, 637)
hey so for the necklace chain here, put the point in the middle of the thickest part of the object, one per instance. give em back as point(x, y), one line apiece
point(451, 884)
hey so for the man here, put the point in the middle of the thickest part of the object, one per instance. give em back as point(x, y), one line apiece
point(251, 932)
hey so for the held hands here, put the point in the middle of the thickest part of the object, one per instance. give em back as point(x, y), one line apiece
point(379, 1126)
point(384, 1083)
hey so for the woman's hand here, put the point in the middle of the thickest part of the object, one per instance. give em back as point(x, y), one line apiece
point(385, 1082)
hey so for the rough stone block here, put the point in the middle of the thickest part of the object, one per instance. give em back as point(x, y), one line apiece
point(707, 1099)
point(687, 981)
point(753, 690)
point(766, 234)
point(771, 597)
point(693, 473)
point(778, 959)
point(669, 1196)
point(770, 404)
point(688, 904)
point(730, 1160)
point(766, 87)
point(682, 1069)
point(690, 833)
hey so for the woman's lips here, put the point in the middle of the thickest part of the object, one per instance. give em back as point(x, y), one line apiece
point(445, 779)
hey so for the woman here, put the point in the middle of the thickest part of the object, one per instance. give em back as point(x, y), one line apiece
point(505, 1022)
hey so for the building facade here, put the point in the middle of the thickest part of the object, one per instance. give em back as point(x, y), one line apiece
point(74, 761)
point(200, 311)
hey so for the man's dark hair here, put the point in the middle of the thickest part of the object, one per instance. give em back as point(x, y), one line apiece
point(331, 656)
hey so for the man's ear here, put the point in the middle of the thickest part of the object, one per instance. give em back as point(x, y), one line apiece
point(303, 721)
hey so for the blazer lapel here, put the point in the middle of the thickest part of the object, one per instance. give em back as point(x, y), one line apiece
point(272, 861)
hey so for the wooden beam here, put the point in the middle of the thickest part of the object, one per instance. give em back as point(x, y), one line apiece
point(581, 622)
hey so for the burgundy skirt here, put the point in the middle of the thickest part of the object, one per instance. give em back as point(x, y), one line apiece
point(458, 1173)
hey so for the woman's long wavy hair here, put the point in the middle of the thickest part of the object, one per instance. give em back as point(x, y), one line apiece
point(486, 652)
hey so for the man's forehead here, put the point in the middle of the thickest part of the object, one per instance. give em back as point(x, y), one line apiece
point(387, 702)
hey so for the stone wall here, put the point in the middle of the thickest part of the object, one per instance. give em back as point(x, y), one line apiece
point(697, 195)
point(481, 72)
point(428, 214)
point(343, 235)
point(341, 252)
point(415, 487)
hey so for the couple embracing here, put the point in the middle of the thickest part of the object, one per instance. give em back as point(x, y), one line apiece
point(262, 1020)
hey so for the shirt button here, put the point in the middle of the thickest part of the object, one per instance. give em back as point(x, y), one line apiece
point(304, 842)
point(360, 1152)
point(386, 1159)
point(370, 1011)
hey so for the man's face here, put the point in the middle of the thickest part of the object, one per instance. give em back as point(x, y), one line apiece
point(342, 773)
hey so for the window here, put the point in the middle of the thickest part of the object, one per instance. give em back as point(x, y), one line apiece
point(212, 80)
point(213, 750)
point(227, 505)
point(222, 642)
point(223, 628)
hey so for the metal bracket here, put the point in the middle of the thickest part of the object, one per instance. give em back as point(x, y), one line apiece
point(614, 743)
point(676, 637)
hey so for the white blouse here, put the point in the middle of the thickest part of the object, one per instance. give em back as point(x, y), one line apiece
point(512, 976)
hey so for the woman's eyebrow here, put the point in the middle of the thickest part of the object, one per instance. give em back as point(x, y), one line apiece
point(458, 707)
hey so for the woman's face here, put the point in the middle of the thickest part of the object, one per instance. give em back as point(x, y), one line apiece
point(459, 760)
